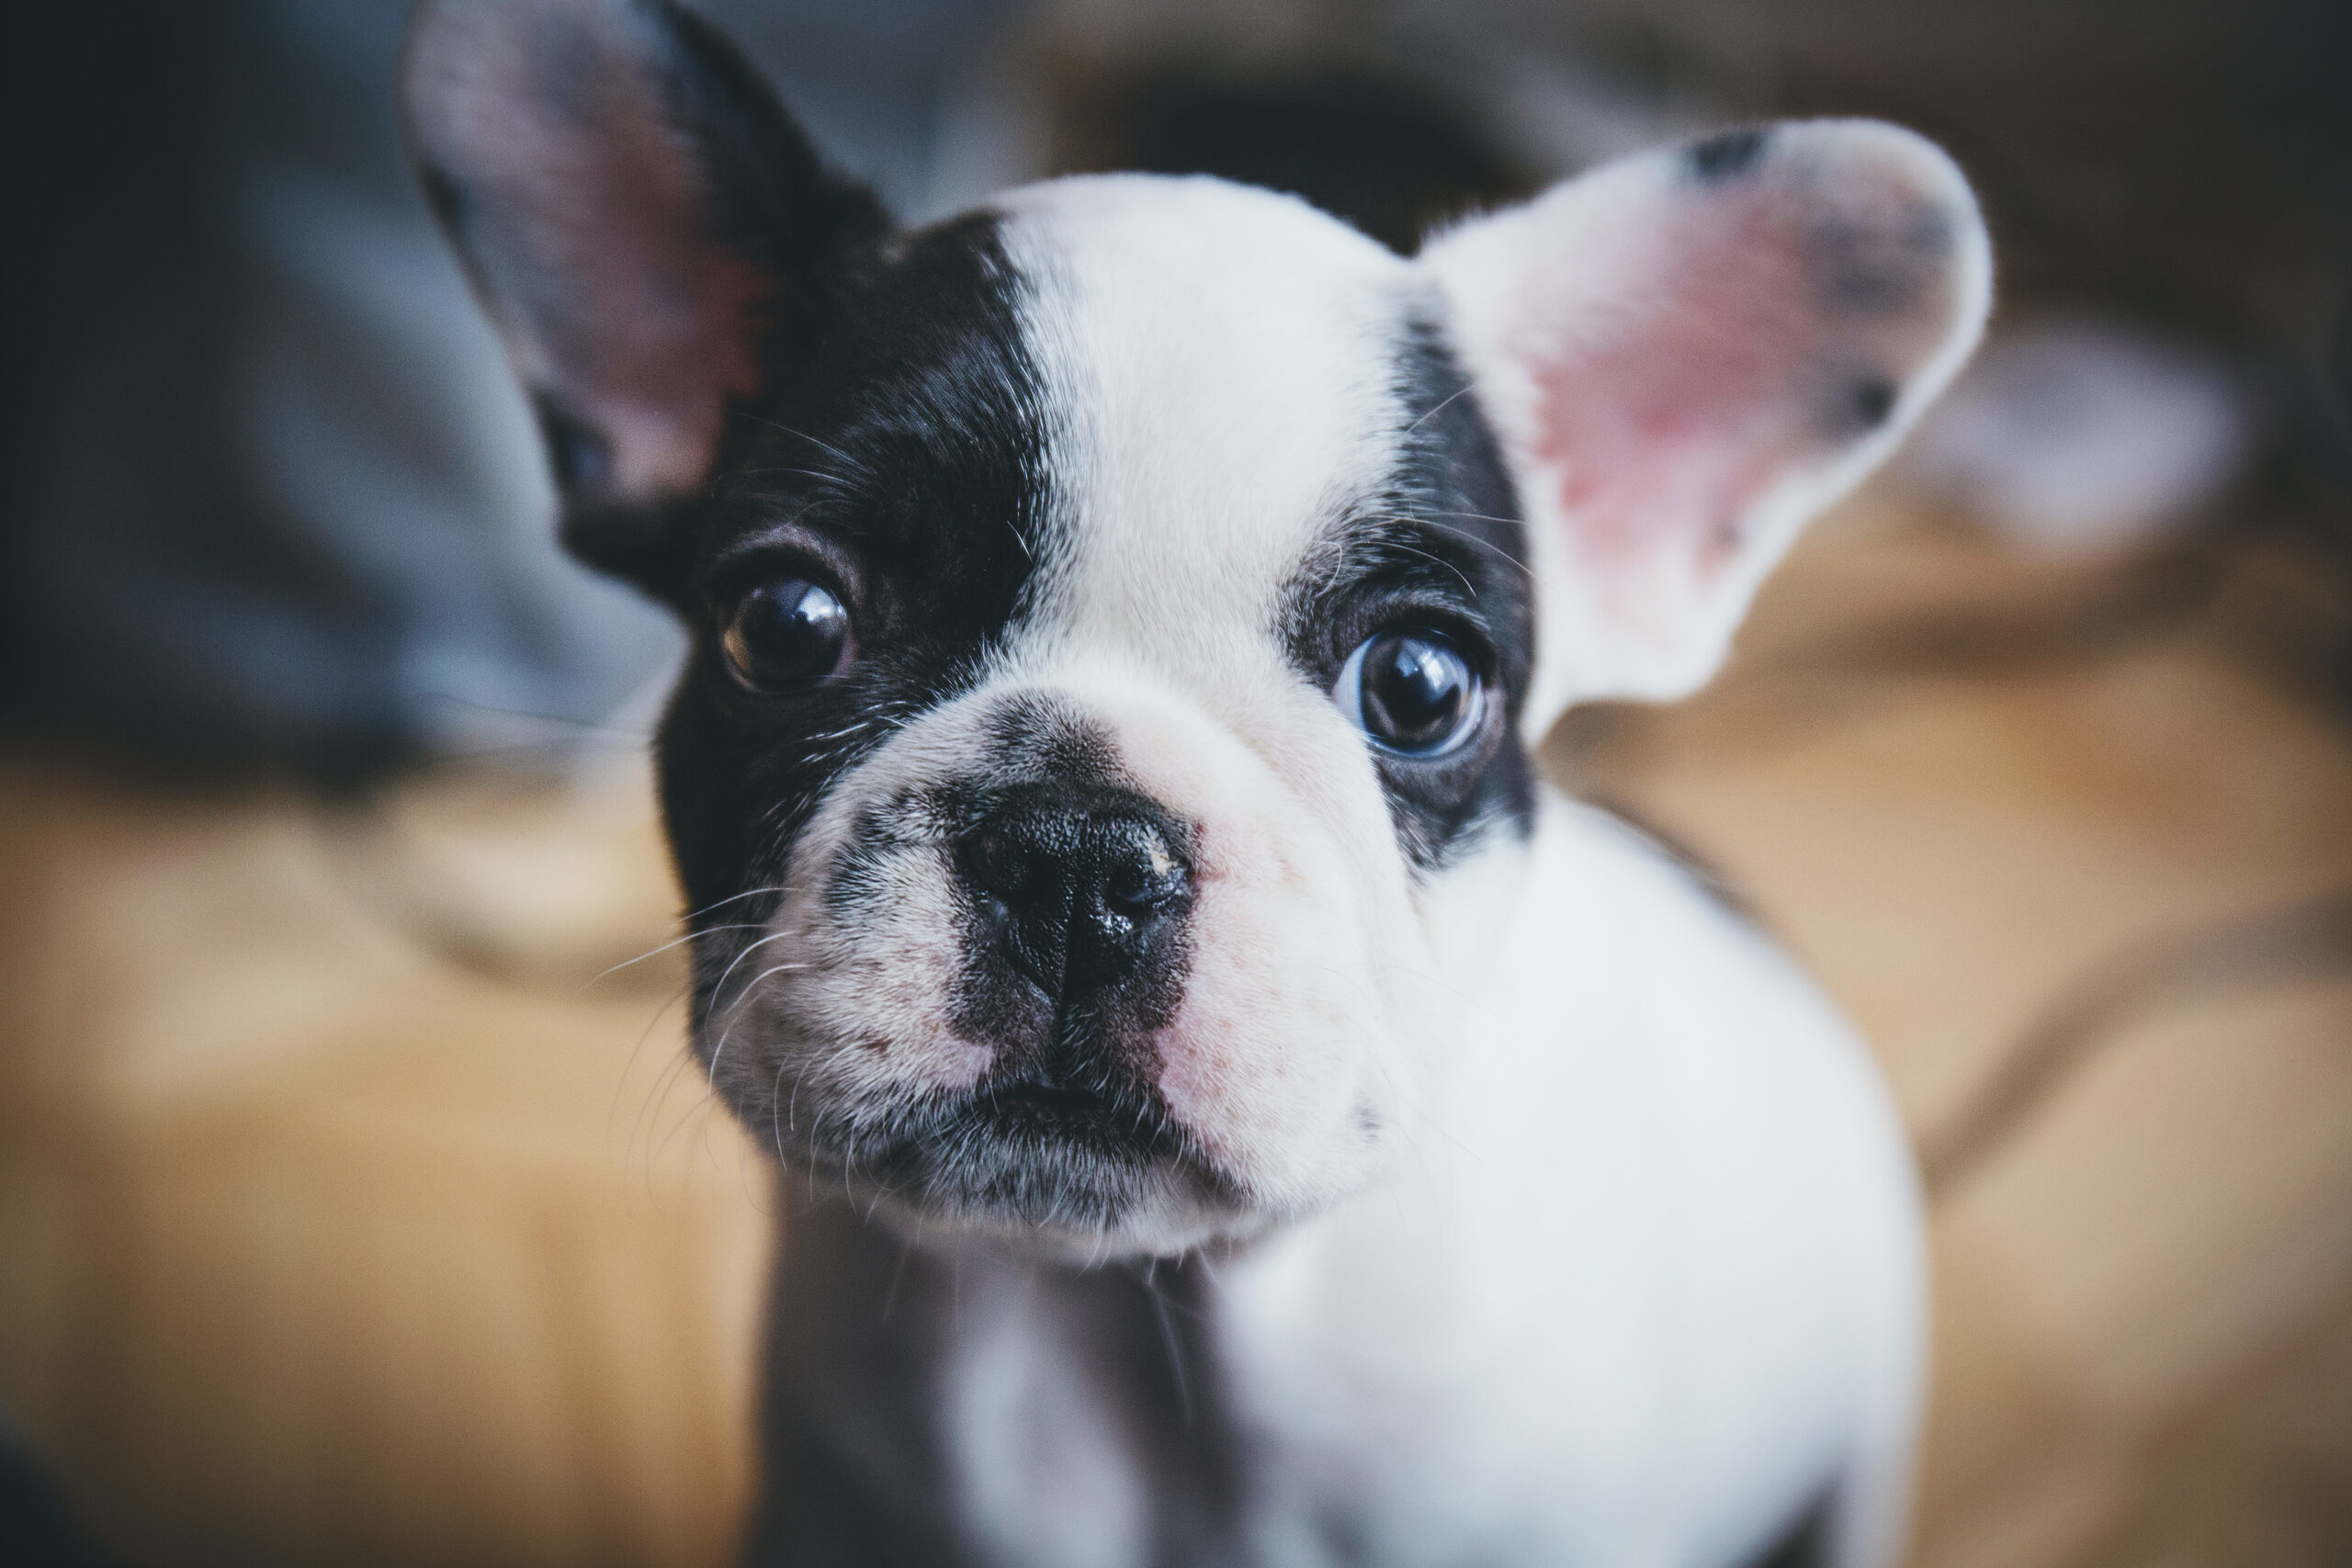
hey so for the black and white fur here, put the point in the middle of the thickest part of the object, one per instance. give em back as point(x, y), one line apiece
point(1430, 1173)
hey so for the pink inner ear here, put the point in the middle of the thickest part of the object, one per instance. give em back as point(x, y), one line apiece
point(1685, 354)
point(1667, 425)
point(665, 323)
point(621, 300)
point(670, 301)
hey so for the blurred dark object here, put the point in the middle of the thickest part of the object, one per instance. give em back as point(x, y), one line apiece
point(67, 250)
point(274, 510)
point(1389, 155)
point(2178, 163)
point(272, 500)
point(35, 1530)
point(2317, 366)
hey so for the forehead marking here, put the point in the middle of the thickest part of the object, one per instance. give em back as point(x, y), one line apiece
point(1218, 361)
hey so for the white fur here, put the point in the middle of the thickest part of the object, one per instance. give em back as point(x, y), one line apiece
point(1198, 481)
point(1647, 1279)
point(1725, 1298)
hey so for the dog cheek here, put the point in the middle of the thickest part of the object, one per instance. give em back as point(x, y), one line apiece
point(1284, 1038)
point(888, 974)
point(861, 1007)
point(1260, 1109)
point(1284, 1042)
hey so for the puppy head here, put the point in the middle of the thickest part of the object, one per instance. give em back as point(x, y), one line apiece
point(1121, 614)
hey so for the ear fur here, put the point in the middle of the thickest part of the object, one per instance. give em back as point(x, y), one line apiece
point(651, 235)
point(1687, 354)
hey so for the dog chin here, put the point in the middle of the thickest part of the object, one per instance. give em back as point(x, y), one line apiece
point(1055, 1174)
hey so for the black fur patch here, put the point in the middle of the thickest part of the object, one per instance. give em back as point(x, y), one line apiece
point(906, 469)
point(1878, 270)
point(1724, 156)
point(1441, 545)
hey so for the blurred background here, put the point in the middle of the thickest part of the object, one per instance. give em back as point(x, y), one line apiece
point(354, 1206)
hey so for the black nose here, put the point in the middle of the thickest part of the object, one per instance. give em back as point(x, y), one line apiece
point(1082, 894)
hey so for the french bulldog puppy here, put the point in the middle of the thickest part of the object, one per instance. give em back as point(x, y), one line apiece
point(1228, 1109)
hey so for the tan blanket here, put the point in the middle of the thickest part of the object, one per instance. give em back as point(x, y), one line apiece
point(347, 1215)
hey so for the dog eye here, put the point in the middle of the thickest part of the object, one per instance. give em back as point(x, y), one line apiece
point(1414, 692)
point(787, 637)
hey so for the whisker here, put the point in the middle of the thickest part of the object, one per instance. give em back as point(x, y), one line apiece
point(736, 897)
point(1460, 575)
point(850, 483)
point(658, 951)
point(847, 460)
point(719, 987)
point(729, 1033)
point(1168, 1339)
point(1429, 520)
point(638, 1121)
point(1461, 391)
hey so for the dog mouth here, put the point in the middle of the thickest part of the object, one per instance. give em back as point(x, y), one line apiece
point(1040, 1153)
point(1070, 1113)
point(1077, 1135)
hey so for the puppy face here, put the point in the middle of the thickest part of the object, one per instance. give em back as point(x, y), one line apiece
point(1104, 753)
point(1098, 906)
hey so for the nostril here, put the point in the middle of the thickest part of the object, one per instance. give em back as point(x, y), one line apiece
point(1146, 879)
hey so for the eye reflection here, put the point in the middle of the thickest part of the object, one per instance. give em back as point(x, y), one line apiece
point(786, 636)
point(1413, 692)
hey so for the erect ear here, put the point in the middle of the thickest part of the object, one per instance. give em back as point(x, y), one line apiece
point(1687, 354)
point(654, 240)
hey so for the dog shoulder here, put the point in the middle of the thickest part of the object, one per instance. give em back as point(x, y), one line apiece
point(1634, 1004)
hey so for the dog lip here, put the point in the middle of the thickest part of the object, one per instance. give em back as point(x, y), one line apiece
point(1039, 1148)
point(1063, 1109)
point(1038, 1113)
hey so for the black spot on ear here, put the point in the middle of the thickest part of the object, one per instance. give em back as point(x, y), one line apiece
point(1871, 400)
point(1931, 233)
point(1368, 1122)
point(1875, 271)
point(1725, 156)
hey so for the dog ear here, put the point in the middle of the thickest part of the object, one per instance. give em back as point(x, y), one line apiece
point(651, 235)
point(1687, 354)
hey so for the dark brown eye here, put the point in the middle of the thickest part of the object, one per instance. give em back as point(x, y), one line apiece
point(787, 637)
point(1414, 692)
